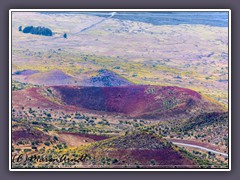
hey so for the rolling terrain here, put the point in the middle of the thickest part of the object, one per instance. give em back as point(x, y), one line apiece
point(140, 150)
point(190, 56)
point(124, 94)
point(55, 77)
point(138, 100)
point(148, 102)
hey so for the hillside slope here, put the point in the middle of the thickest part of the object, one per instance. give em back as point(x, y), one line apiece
point(136, 150)
point(55, 77)
point(106, 78)
point(139, 100)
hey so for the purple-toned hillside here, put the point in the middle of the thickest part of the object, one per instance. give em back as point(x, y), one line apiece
point(104, 78)
point(107, 78)
point(138, 100)
point(25, 72)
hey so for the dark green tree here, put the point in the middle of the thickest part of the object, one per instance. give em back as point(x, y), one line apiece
point(38, 30)
point(20, 28)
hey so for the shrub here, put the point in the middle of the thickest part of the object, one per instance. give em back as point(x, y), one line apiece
point(18, 149)
point(34, 147)
point(55, 138)
point(47, 143)
point(114, 161)
point(19, 142)
point(27, 150)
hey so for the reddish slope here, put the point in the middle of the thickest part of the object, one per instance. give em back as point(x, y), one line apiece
point(139, 149)
point(33, 98)
point(138, 100)
point(29, 134)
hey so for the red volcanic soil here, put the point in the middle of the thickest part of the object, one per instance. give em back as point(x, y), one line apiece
point(90, 136)
point(143, 101)
point(29, 134)
point(138, 100)
point(77, 139)
point(162, 158)
point(33, 98)
point(141, 149)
